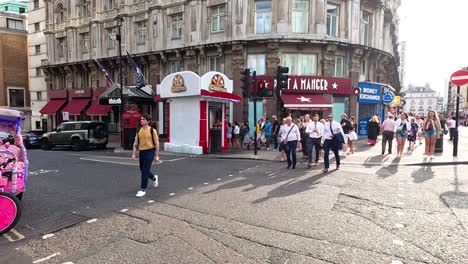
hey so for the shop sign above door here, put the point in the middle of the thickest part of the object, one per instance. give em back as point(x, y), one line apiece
point(311, 85)
point(369, 93)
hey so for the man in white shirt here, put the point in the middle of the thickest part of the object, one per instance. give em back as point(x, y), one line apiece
point(314, 131)
point(452, 126)
point(332, 138)
point(290, 135)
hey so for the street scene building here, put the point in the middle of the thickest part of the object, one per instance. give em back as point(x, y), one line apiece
point(452, 101)
point(350, 40)
point(421, 99)
point(14, 87)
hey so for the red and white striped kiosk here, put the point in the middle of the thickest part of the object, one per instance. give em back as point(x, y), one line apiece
point(197, 111)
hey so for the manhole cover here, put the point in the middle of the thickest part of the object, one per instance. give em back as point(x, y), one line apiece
point(54, 223)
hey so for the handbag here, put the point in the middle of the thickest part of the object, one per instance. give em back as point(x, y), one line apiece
point(286, 146)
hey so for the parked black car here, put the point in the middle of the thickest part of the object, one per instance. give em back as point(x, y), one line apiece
point(31, 139)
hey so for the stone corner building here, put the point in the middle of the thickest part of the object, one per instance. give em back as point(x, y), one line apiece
point(354, 39)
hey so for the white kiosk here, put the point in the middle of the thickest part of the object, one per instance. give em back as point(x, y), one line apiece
point(197, 111)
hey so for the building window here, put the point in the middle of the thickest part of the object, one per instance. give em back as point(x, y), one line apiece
point(15, 24)
point(38, 72)
point(38, 125)
point(174, 66)
point(300, 64)
point(177, 25)
point(257, 63)
point(340, 67)
point(16, 97)
point(214, 64)
point(218, 16)
point(141, 33)
point(111, 38)
point(22, 10)
point(61, 47)
point(155, 27)
point(37, 27)
point(60, 13)
point(262, 17)
point(111, 4)
point(333, 14)
point(83, 8)
point(84, 42)
point(363, 67)
point(300, 16)
point(37, 49)
point(39, 96)
point(365, 28)
point(36, 4)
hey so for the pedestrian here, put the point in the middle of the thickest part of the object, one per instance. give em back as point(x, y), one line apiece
point(388, 131)
point(332, 139)
point(452, 126)
point(352, 134)
point(281, 145)
point(275, 132)
point(246, 141)
point(236, 135)
point(229, 134)
point(305, 136)
point(412, 134)
point(419, 122)
point(299, 126)
point(373, 130)
point(346, 125)
point(314, 139)
point(290, 136)
point(432, 130)
point(323, 121)
point(402, 127)
point(268, 131)
point(147, 143)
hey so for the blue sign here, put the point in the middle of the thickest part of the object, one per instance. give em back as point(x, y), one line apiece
point(388, 97)
point(363, 126)
point(370, 93)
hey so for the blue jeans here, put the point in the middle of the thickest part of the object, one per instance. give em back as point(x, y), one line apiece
point(290, 148)
point(311, 143)
point(146, 160)
point(326, 156)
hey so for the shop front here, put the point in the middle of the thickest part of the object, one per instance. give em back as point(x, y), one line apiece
point(195, 119)
point(79, 100)
point(57, 100)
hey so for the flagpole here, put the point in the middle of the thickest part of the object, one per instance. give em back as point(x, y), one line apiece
point(119, 21)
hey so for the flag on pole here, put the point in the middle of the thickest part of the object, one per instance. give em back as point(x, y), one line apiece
point(109, 81)
point(139, 78)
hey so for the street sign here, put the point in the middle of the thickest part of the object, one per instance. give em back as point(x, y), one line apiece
point(356, 91)
point(459, 78)
point(388, 98)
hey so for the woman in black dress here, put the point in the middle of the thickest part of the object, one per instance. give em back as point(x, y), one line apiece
point(373, 130)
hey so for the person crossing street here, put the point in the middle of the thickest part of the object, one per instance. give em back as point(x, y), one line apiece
point(332, 139)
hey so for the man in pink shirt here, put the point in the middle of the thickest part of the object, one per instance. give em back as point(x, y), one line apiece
point(388, 128)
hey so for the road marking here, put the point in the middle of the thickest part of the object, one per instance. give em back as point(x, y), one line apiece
point(172, 160)
point(42, 171)
point(396, 262)
point(230, 175)
point(190, 188)
point(398, 242)
point(112, 162)
point(240, 171)
point(46, 258)
point(399, 226)
point(273, 173)
point(18, 235)
point(400, 213)
point(47, 236)
point(124, 210)
point(69, 262)
point(171, 194)
point(151, 201)
point(399, 203)
point(91, 221)
point(218, 179)
point(400, 195)
point(205, 183)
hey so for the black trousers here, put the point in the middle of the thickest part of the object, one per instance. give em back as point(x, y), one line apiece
point(311, 144)
point(387, 136)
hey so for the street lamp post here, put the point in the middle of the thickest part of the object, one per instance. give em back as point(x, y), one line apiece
point(119, 20)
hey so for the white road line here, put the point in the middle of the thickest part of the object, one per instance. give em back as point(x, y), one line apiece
point(205, 183)
point(400, 195)
point(151, 201)
point(171, 194)
point(400, 213)
point(46, 258)
point(47, 236)
point(218, 179)
point(230, 175)
point(399, 226)
point(69, 262)
point(112, 162)
point(124, 210)
point(190, 188)
point(273, 173)
point(396, 262)
point(172, 160)
point(398, 242)
point(399, 203)
point(91, 221)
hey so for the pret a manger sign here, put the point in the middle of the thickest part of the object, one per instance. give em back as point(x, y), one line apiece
point(311, 84)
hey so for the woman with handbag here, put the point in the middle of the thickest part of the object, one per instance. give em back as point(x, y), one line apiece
point(402, 126)
point(373, 130)
point(432, 130)
point(290, 137)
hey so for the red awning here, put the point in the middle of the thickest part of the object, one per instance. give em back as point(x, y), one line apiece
point(52, 107)
point(221, 96)
point(98, 110)
point(306, 102)
point(75, 106)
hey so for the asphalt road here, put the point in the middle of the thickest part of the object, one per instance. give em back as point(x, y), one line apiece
point(217, 211)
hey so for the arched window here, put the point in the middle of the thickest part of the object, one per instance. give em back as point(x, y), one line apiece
point(60, 13)
point(84, 8)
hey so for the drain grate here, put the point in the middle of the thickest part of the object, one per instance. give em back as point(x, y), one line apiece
point(54, 223)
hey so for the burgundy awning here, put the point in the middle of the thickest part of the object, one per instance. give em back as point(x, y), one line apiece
point(97, 109)
point(306, 102)
point(75, 106)
point(53, 106)
point(221, 96)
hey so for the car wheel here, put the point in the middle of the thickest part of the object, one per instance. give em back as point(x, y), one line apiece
point(76, 144)
point(46, 144)
point(102, 146)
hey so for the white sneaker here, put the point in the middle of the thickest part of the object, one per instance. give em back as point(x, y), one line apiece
point(432, 157)
point(156, 182)
point(140, 194)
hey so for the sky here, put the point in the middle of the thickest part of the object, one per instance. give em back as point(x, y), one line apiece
point(436, 36)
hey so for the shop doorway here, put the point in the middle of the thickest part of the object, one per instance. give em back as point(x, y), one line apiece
point(215, 122)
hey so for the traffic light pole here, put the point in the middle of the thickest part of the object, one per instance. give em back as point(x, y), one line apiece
point(254, 75)
point(455, 137)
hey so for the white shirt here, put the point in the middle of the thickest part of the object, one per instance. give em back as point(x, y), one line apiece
point(399, 125)
point(236, 130)
point(335, 128)
point(314, 129)
point(451, 123)
point(293, 135)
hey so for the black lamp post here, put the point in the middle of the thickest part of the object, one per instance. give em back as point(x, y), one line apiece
point(119, 20)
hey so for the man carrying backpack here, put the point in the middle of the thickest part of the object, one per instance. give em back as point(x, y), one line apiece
point(147, 142)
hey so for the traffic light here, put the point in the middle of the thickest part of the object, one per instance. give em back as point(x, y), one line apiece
point(245, 79)
point(281, 79)
point(261, 89)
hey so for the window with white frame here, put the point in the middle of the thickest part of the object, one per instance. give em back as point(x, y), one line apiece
point(60, 13)
point(177, 24)
point(214, 64)
point(141, 33)
point(37, 49)
point(365, 26)
point(218, 17)
point(300, 16)
point(262, 17)
point(333, 15)
point(111, 39)
point(61, 47)
point(39, 96)
point(257, 63)
point(300, 64)
point(340, 66)
point(83, 8)
point(15, 24)
point(37, 27)
point(16, 97)
point(84, 41)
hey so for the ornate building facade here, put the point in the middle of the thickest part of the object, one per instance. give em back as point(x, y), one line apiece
point(421, 99)
point(355, 39)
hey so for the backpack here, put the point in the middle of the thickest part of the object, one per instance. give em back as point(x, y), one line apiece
point(152, 136)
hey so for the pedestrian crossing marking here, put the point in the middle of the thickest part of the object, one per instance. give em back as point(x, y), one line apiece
point(15, 233)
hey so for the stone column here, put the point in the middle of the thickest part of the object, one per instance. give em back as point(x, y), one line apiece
point(320, 17)
point(328, 60)
point(240, 112)
point(154, 70)
point(273, 106)
point(354, 71)
point(191, 61)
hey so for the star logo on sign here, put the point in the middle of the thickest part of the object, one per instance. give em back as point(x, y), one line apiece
point(304, 99)
point(335, 86)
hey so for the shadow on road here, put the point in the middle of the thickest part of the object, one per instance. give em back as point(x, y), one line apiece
point(422, 174)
